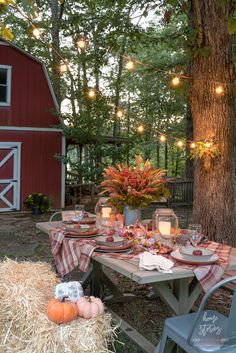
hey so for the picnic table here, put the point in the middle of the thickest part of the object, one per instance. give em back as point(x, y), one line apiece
point(179, 289)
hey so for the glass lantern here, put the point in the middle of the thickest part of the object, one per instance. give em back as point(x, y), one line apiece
point(104, 212)
point(166, 223)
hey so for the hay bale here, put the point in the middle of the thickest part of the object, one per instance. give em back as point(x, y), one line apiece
point(25, 290)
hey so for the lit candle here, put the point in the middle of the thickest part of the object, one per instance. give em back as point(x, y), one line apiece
point(164, 227)
point(106, 212)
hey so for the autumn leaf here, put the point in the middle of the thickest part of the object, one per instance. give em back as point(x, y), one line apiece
point(6, 2)
point(6, 33)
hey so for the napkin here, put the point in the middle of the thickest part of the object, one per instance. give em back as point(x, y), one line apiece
point(149, 261)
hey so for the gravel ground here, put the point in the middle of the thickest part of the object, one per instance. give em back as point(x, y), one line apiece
point(19, 239)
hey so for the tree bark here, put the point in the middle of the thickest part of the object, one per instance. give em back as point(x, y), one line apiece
point(56, 81)
point(214, 119)
point(189, 169)
point(116, 126)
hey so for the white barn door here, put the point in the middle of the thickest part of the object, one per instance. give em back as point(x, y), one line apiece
point(10, 158)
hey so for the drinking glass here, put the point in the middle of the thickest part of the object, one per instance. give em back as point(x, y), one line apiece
point(195, 226)
point(79, 212)
point(195, 238)
point(196, 234)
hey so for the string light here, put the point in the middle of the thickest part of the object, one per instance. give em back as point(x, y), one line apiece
point(64, 67)
point(130, 65)
point(140, 128)
point(36, 32)
point(92, 93)
point(162, 138)
point(175, 81)
point(119, 113)
point(180, 144)
point(81, 43)
point(219, 90)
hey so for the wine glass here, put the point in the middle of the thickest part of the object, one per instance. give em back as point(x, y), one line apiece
point(196, 234)
point(195, 238)
point(79, 212)
point(195, 226)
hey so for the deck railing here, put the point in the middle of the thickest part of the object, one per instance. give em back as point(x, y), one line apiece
point(181, 191)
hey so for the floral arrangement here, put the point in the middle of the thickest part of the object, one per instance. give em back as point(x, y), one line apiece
point(133, 186)
point(37, 201)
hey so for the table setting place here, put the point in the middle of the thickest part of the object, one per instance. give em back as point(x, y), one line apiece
point(157, 244)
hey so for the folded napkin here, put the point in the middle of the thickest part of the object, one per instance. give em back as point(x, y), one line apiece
point(149, 261)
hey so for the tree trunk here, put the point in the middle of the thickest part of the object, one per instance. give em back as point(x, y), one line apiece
point(116, 126)
point(189, 169)
point(56, 81)
point(166, 156)
point(213, 119)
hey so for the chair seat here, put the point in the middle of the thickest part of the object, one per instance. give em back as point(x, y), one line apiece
point(179, 328)
point(180, 325)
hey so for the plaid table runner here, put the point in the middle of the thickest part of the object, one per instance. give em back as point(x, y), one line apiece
point(69, 254)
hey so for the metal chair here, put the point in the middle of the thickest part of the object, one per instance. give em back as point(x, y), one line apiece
point(54, 214)
point(204, 331)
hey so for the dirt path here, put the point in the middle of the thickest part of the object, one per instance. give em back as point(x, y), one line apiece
point(20, 239)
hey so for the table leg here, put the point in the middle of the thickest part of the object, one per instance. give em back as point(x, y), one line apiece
point(97, 289)
point(181, 296)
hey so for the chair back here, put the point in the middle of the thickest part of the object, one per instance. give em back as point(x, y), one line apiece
point(229, 331)
point(232, 320)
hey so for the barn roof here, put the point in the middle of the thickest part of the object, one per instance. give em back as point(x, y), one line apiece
point(6, 42)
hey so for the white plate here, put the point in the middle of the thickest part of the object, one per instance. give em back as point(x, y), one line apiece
point(101, 240)
point(195, 260)
point(188, 253)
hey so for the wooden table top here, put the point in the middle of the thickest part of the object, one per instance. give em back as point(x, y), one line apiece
point(130, 269)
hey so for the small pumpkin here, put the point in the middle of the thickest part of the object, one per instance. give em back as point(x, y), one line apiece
point(73, 290)
point(61, 310)
point(89, 307)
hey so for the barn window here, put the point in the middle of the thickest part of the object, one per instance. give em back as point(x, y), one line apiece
point(5, 85)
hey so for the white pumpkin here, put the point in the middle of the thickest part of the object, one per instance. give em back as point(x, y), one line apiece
point(73, 290)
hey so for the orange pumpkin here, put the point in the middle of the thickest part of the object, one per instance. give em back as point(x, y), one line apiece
point(89, 307)
point(61, 310)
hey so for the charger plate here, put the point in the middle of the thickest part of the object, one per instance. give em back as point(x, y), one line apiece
point(81, 233)
point(181, 258)
point(113, 251)
point(76, 237)
point(85, 220)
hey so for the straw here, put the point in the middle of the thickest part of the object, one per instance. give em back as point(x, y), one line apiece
point(25, 290)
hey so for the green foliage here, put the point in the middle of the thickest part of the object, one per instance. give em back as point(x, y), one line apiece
point(232, 25)
point(37, 200)
point(114, 29)
point(204, 149)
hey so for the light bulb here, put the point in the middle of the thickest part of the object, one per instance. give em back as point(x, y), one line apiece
point(119, 113)
point(140, 128)
point(130, 65)
point(36, 32)
point(180, 144)
point(81, 43)
point(92, 93)
point(208, 144)
point(162, 138)
point(64, 67)
point(175, 81)
point(193, 145)
point(219, 90)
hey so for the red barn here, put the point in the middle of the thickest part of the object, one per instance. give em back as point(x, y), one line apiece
point(29, 137)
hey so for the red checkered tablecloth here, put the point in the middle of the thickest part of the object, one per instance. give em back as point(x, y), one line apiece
point(70, 253)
